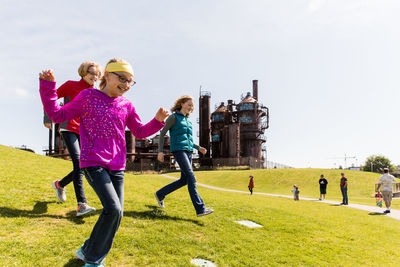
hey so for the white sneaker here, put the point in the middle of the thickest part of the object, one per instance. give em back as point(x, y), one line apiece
point(160, 202)
point(205, 212)
point(60, 191)
point(83, 208)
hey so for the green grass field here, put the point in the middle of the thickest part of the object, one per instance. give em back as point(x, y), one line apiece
point(281, 181)
point(35, 230)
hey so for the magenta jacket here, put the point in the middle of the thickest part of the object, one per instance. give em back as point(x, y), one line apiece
point(103, 120)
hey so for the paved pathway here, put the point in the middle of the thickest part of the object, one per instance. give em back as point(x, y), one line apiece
point(395, 214)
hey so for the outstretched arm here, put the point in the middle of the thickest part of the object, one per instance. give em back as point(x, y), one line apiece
point(48, 94)
point(140, 130)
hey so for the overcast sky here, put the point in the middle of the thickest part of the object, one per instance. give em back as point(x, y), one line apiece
point(328, 70)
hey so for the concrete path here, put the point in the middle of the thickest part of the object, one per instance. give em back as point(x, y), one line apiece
point(395, 214)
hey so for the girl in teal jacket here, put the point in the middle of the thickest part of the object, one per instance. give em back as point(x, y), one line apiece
point(181, 141)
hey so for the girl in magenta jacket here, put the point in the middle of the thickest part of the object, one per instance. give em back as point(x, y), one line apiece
point(103, 114)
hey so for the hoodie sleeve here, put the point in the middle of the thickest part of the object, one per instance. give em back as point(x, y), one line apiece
point(57, 113)
point(140, 130)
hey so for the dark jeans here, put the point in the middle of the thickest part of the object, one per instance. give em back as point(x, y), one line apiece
point(109, 187)
point(184, 159)
point(72, 142)
point(251, 190)
point(344, 194)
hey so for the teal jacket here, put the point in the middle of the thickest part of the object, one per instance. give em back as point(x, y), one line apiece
point(181, 134)
point(180, 131)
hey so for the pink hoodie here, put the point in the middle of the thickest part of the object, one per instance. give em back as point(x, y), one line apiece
point(103, 123)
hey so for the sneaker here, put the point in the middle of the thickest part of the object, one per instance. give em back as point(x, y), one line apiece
point(60, 191)
point(206, 211)
point(93, 265)
point(160, 202)
point(83, 208)
point(79, 254)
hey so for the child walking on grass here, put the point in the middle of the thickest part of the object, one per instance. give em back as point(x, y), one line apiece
point(103, 114)
point(90, 72)
point(295, 192)
point(181, 142)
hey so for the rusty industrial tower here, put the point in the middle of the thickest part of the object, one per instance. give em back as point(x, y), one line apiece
point(236, 131)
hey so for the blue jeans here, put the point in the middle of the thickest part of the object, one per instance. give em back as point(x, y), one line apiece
point(109, 187)
point(184, 159)
point(344, 194)
point(72, 142)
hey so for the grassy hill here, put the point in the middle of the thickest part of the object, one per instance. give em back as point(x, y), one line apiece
point(280, 181)
point(35, 230)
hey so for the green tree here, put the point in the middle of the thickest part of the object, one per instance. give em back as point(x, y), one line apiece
point(376, 163)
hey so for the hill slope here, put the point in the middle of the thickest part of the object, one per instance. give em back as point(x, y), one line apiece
point(35, 230)
point(280, 181)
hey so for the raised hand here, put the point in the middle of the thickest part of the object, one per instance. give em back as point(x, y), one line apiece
point(47, 75)
point(161, 114)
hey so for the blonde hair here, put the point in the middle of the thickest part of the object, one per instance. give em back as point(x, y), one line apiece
point(103, 81)
point(181, 100)
point(83, 68)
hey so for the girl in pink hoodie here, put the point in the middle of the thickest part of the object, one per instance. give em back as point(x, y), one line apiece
point(103, 114)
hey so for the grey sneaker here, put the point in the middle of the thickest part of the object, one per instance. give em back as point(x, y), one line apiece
point(160, 202)
point(83, 208)
point(206, 211)
point(60, 191)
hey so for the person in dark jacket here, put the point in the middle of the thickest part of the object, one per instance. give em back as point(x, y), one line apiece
point(181, 141)
point(322, 187)
point(343, 188)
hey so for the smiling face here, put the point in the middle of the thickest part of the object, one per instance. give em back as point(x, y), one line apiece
point(118, 83)
point(187, 107)
point(91, 76)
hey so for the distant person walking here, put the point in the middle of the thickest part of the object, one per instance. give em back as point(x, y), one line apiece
point(296, 192)
point(343, 188)
point(89, 72)
point(251, 184)
point(180, 129)
point(322, 187)
point(386, 181)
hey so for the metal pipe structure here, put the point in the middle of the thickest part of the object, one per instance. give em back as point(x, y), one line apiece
point(237, 136)
point(205, 126)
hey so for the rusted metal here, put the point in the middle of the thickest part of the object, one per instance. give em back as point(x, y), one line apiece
point(237, 131)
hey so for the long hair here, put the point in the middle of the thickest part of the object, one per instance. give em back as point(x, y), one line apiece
point(181, 100)
point(103, 81)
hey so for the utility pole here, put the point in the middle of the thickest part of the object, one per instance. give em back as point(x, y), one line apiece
point(345, 160)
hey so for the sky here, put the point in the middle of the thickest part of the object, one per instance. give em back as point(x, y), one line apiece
point(328, 70)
